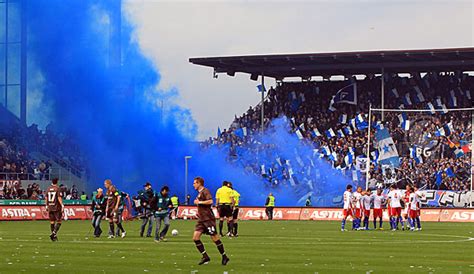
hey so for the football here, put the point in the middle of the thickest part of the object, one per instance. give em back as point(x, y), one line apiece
point(33, 215)
point(174, 232)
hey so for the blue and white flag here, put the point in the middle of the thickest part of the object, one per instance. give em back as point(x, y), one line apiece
point(361, 123)
point(340, 134)
point(349, 159)
point(448, 129)
point(343, 119)
point(353, 123)
point(375, 156)
point(299, 134)
point(239, 132)
point(316, 132)
point(419, 95)
point(325, 150)
point(439, 103)
point(458, 152)
point(395, 93)
point(361, 163)
point(468, 94)
point(301, 127)
point(219, 132)
point(261, 88)
point(453, 101)
point(431, 108)
point(378, 125)
point(404, 122)
point(388, 154)
point(348, 130)
point(415, 154)
point(407, 100)
point(440, 132)
point(347, 94)
point(330, 133)
point(449, 172)
point(444, 108)
point(333, 156)
point(331, 105)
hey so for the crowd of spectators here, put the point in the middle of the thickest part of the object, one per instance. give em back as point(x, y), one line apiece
point(434, 150)
point(13, 190)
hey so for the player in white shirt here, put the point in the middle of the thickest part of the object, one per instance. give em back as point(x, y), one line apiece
point(394, 200)
point(348, 206)
point(365, 202)
point(405, 208)
point(415, 208)
point(357, 208)
point(378, 202)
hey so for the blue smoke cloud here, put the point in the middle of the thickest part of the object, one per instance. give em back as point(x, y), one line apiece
point(113, 110)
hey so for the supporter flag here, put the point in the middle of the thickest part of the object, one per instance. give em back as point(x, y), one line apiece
point(361, 123)
point(375, 156)
point(448, 129)
point(407, 100)
point(325, 150)
point(349, 159)
point(348, 130)
point(302, 98)
point(219, 132)
point(468, 94)
point(347, 94)
point(316, 132)
point(244, 131)
point(388, 154)
point(453, 102)
point(458, 152)
point(340, 134)
point(414, 154)
point(395, 93)
point(239, 132)
point(331, 105)
point(330, 133)
point(419, 98)
point(302, 127)
point(262, 170)
point(261, 88)
point(449, 172)
point(343, 119)
point(431, 108)
point(440, 132)
point(444, 108)
point(361, 163)
point(439, 178)
point(333, 156)
point(299, 134)
point(378, 125)
point(353, 123)
point(439, 103)
point(404, 122)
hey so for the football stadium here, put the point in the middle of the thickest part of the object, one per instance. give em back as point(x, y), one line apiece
point(142, 136)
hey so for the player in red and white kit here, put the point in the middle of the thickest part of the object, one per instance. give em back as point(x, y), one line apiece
point(378, 202)
point(415, 203)
point(365, 203)
point(347, 207)
point(406, 198)
point(357, 208)
point(394, 198)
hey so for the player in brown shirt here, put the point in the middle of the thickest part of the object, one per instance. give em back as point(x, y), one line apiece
point(55, 208)
point(111, 210)
point(206, 222)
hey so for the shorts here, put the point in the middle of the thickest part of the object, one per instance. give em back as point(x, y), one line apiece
point(207, 227)
point(224, 211)
point(235, 213)
point(413, 213)
point(378, 212)
point(366, 212)
point(55, 216)
point(358, 213)
point(395, 211)
point(111, 216)
point(347, 212)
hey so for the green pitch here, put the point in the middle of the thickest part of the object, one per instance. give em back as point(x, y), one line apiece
point(277, 246)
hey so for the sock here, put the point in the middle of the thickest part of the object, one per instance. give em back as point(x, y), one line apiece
point(200, 248)
point(230, 226)
point(418, 222)
point(392, 223)
point(52, 228)
point(410, 222)
point(220, 247)
point(56, 228)
point(236, 225)
point(112, 228)
point(221, 223)
point(120, 227)
point(375, 223)
point(164, 231)
point(354, 223)
point(397, 219)
point(343, 223)
point(366, 222)
point(380, 224)
point(402, 222)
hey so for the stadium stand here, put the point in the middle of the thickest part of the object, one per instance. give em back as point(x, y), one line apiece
point(307, 106)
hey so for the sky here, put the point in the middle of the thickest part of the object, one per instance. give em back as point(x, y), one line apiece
point(170, 32)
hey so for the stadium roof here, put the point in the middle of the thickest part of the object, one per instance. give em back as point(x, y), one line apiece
point(305, 65)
